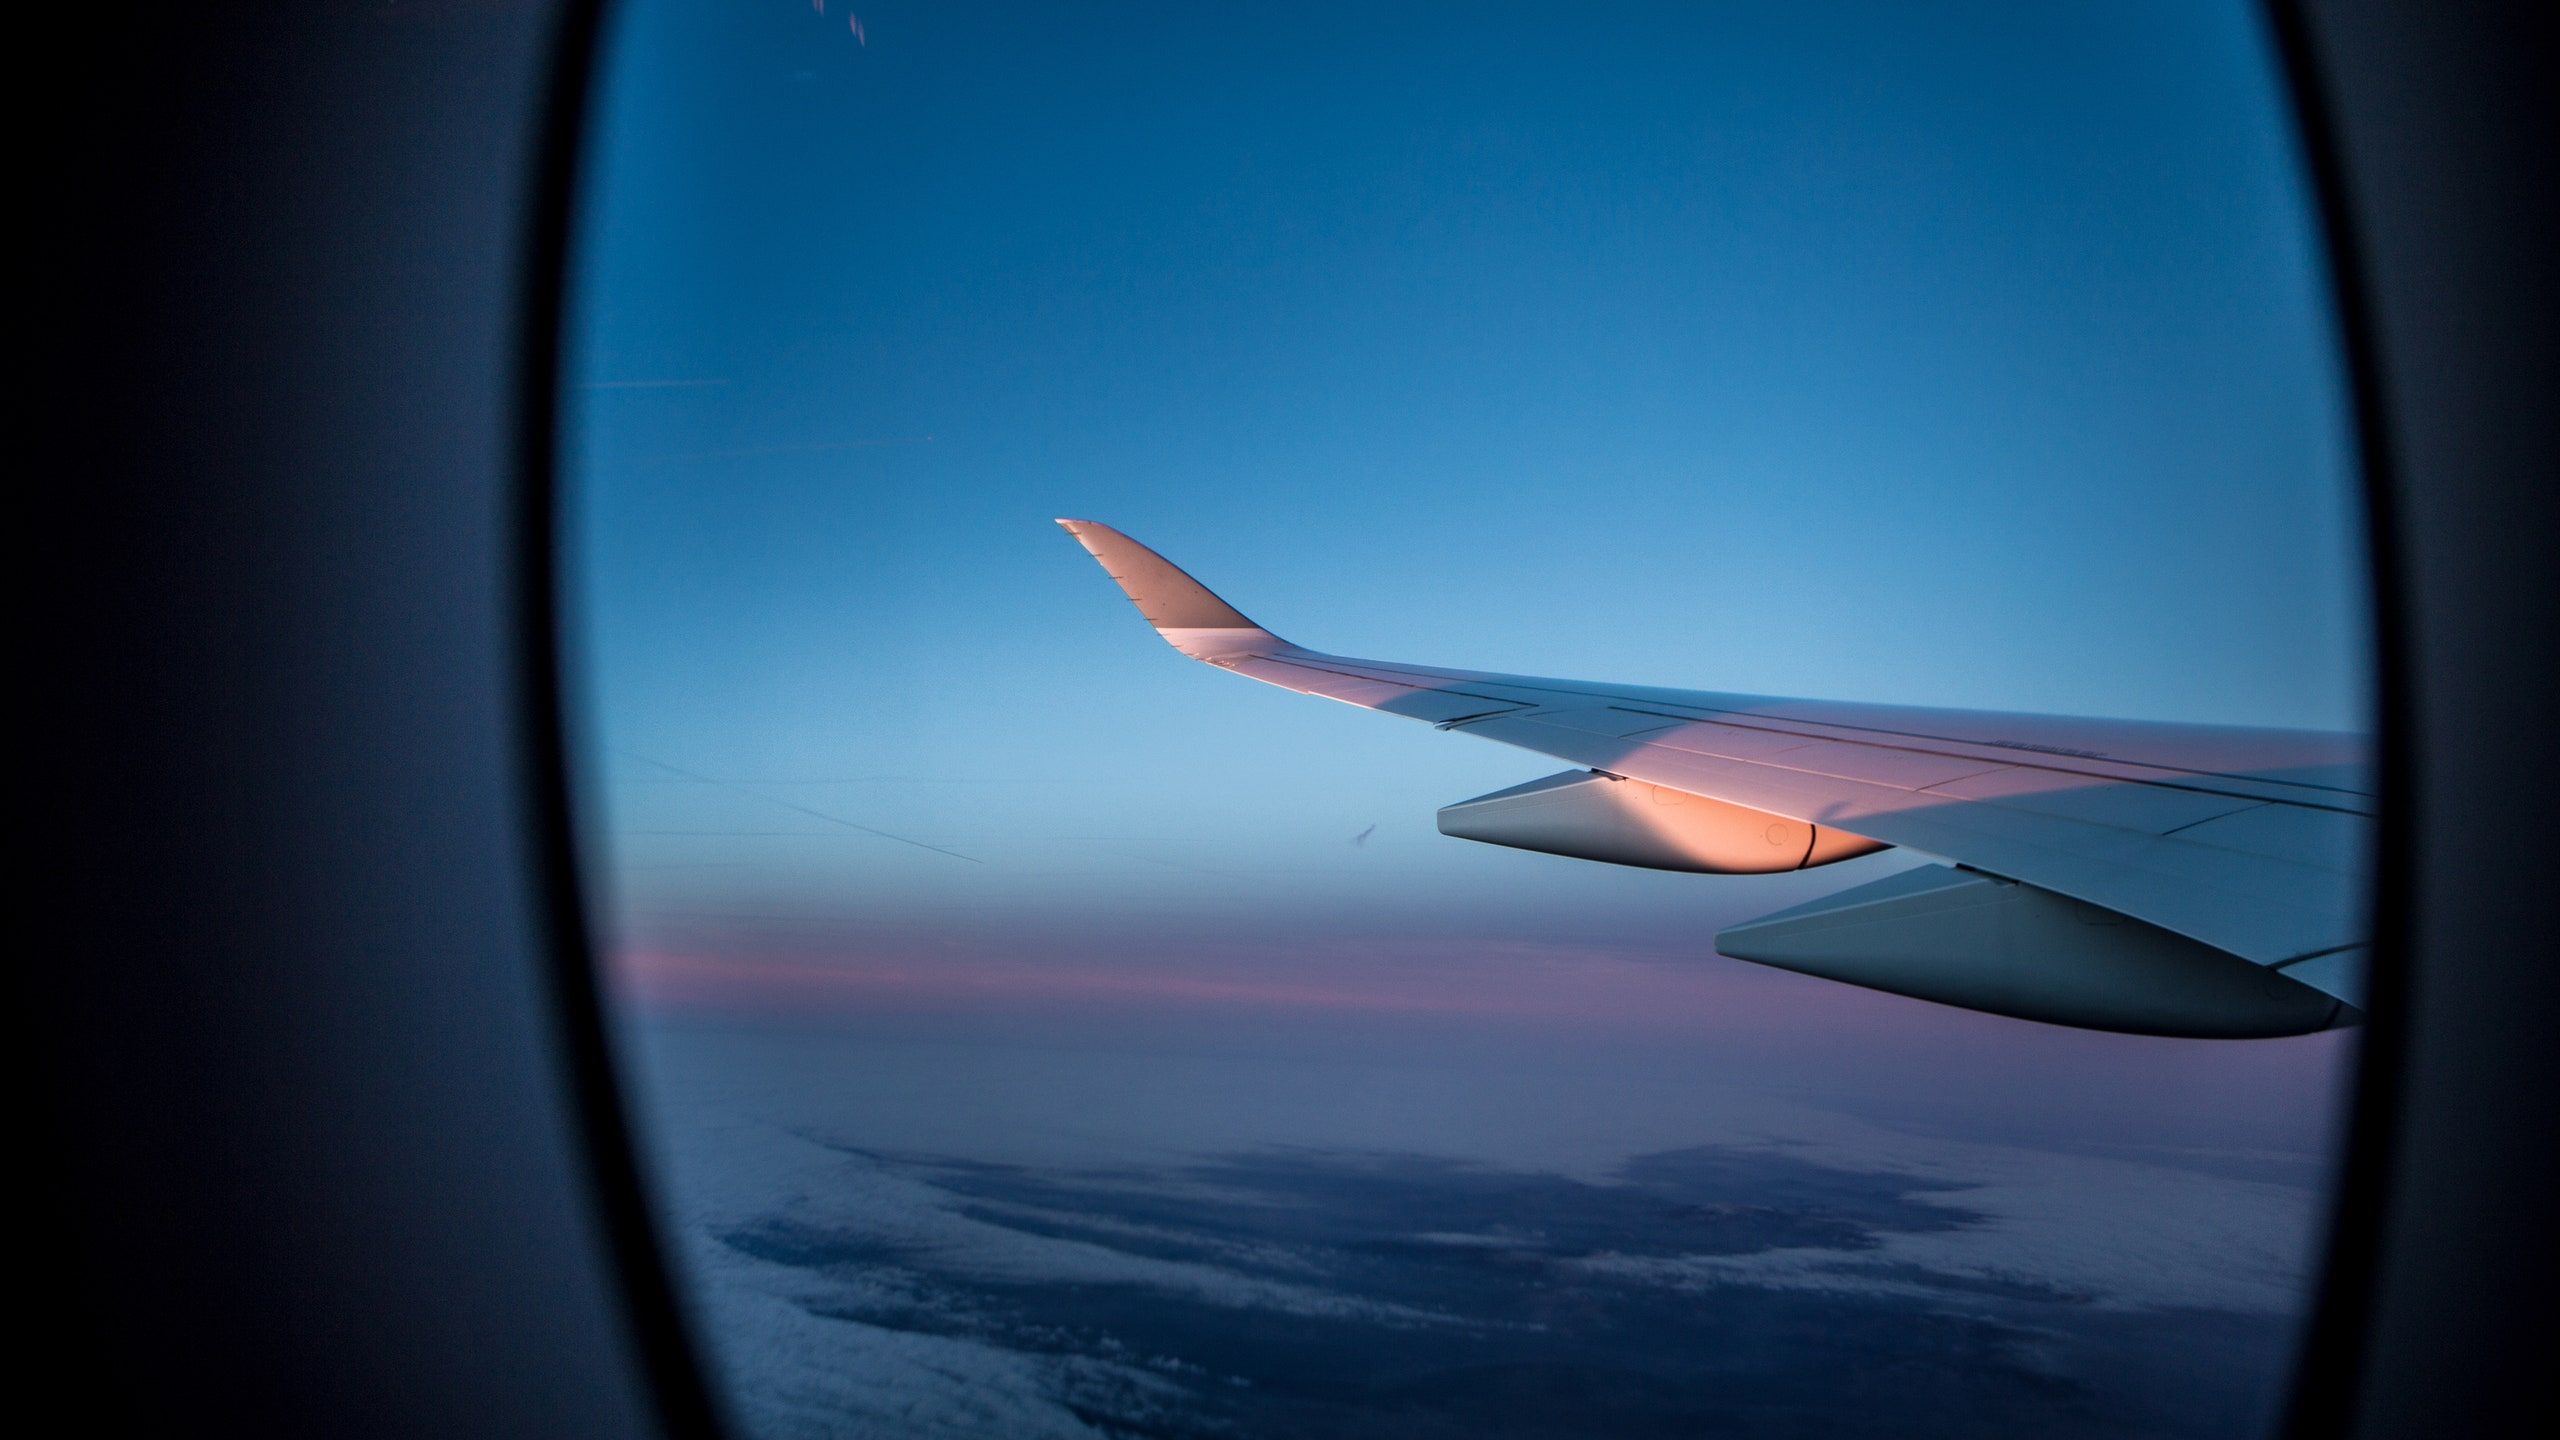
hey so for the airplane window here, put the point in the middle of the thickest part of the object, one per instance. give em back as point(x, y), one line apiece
point(991, 430)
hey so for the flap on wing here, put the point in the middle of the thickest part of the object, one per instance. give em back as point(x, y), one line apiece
point(1963, 938)
point(2340, 973)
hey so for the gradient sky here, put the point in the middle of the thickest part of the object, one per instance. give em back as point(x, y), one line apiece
point(1933, 355)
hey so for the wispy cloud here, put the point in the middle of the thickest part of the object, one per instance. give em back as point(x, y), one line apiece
point(819, 447)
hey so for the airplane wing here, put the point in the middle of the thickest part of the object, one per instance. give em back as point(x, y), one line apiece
point(2124, 875)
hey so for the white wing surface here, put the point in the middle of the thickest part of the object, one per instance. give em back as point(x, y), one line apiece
point(2222, 843)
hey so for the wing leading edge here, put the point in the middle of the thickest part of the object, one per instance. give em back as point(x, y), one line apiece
point(2236, 854)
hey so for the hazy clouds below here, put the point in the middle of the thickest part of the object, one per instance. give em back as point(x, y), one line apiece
point(937, 1229)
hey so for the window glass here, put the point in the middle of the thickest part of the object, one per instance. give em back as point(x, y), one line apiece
point(1037, 1033)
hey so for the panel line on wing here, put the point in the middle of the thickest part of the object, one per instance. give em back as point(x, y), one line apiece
point(2012, 760)
point(2019, 751)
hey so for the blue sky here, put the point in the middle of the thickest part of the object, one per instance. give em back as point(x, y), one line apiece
point(1961, 356)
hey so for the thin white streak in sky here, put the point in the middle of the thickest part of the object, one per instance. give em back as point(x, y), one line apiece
point(815, 448)
point(802, 809)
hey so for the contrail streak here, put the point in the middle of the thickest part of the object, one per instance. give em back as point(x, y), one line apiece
point(802, 809)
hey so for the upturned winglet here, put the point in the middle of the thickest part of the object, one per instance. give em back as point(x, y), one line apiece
point(1185, 612)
